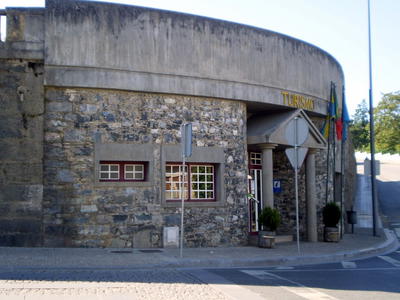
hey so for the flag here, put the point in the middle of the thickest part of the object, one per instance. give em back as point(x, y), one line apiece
point(332, 111)
point(345, 117)
point(342, 122)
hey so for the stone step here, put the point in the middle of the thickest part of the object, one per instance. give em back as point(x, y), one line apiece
point(253, 239)
point(284, 238)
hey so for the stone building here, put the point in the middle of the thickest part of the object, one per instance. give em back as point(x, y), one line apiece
point(93, 97)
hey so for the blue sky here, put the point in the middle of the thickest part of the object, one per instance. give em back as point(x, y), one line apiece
point(336, 26)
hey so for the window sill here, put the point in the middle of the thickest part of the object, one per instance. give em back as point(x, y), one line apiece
point(123, 184)
point(193, 204)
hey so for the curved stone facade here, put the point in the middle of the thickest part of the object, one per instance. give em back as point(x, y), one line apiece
point(134, 48)
point(98, 93)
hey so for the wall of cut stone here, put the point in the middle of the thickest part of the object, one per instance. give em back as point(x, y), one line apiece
point(80, 211)
point(21, 152)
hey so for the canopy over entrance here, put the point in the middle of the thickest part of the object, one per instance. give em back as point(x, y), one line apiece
point(270, 129)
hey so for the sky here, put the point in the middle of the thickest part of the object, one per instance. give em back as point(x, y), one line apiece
point(339, 27)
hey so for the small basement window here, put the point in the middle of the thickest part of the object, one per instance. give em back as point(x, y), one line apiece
point(122, 171)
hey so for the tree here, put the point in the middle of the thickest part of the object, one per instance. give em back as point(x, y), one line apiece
point(359, 127)
point(387, 123)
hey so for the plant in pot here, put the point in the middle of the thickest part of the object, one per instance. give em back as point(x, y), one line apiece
point(331, 217)
point(269, 220)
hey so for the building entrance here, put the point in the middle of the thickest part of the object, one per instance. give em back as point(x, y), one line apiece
point(255, 189)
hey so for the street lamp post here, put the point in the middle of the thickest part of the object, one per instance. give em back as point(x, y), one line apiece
point(372, 131)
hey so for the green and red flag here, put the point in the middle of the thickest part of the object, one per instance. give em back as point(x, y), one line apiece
point(332, 111)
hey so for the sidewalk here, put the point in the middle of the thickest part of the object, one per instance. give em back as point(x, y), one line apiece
point(353, 246)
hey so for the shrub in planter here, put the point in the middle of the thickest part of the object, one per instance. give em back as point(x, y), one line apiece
point(331, 214)
point(331, 217)
point(270, 219)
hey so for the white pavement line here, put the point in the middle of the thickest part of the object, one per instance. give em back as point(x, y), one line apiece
point(349, 265)
point(390, 260)
point(227, 287)
point(300, 290)
point(284, 268)
point(397, 231)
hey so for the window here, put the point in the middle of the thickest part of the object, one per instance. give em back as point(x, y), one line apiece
point(255, 158)
point(122, 171)
point(109, 172)
point(199, 178)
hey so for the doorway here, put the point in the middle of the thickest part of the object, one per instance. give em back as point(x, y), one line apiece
point(255, 189)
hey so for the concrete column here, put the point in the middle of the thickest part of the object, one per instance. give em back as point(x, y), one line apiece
point(312, 232)
point(267, 175)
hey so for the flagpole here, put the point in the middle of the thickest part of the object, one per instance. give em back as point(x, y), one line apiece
point(342, 164)
point(329, 146)
point(372, 132)
point(334, 149)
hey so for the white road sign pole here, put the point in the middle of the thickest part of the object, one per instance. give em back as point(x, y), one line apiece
point(186, 140)
point(296, 134)
point(296, 169)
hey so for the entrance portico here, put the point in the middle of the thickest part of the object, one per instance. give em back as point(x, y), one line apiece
point(266, 134)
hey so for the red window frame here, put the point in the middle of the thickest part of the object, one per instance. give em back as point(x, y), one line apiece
point(122, 165)
point(189, 182)
point(250, 163)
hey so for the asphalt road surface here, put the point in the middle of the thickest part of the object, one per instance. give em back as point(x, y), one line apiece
point(388, 184)
point(373, 278)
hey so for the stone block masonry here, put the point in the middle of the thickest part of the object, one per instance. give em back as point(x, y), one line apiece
point(21, 152)
point(78, 210)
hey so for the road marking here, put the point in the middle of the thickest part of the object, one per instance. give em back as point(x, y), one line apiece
point(349, 265)
point(390, 260)
point(284, 268)
point(397, 231)
point(300, 290)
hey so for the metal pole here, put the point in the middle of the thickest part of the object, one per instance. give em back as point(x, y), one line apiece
point(329, 147)
point(327, 163)
point(342, 167)
point(296, 184)
point(182, 194)
point(371, 130)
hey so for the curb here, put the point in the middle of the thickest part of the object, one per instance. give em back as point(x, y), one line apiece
point(391, 243)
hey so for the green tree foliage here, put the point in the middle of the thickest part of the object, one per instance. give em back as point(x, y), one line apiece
point(359, 127)
point(387, 124)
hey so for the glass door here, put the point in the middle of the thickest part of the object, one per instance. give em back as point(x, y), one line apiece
point(255, 201)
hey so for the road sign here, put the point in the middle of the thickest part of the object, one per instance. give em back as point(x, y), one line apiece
point(296, 132)
point(301, 155)
point(186, 133)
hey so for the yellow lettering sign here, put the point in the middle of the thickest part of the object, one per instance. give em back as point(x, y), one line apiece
point(298, 101)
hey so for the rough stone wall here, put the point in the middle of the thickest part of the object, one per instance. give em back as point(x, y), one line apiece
point(77, 212)
point(21, 152)
point(285, 201)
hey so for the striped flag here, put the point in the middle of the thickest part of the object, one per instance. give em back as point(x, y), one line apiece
point(332, 111)
point(342, 122)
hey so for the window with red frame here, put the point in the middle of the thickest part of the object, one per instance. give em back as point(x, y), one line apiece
point(198, 178)
point(255, 159)
point(122, 171)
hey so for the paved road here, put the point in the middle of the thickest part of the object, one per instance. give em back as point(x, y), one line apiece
point(104, 284)
point(373, 278)
point(389, 195)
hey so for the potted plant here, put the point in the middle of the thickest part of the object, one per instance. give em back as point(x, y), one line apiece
point(331, 217)
point(269, 220)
